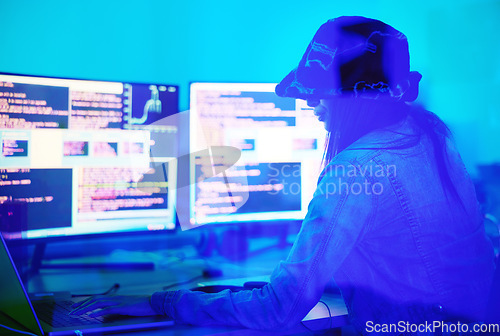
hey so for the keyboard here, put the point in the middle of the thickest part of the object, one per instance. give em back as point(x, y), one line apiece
point(55, 313)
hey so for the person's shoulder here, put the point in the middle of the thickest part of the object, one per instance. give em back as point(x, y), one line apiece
point(357, 155)
point(398, 139)
point(355, 163)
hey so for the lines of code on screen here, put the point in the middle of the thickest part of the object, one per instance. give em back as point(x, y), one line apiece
point(219, 111)
point(271, 187)
point(90, 110)
point(27, 106)
point(109, 189)
point(46, 193)
point(33, 106)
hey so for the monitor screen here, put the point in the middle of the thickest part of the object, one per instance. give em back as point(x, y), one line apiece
point(76, 156)
point(281, 147)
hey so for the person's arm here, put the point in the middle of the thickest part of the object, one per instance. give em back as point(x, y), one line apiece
point(335, 221)
point(338, 215)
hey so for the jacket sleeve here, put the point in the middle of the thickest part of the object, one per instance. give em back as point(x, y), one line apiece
point(337, 216)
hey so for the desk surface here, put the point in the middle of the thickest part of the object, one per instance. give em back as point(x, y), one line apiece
point(172, 270)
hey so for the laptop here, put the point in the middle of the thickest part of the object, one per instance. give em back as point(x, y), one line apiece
point(50, 317)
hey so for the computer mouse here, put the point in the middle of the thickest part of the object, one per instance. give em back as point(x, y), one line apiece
point(217, 288)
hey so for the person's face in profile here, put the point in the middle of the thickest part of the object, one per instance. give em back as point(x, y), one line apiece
point(322, 110)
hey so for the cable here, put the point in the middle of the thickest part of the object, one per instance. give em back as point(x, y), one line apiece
point(329, 313)
point(112, 290)
point(183, 282)
point(18, 331)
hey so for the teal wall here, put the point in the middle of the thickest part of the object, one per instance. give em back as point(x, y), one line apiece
point(454, 44)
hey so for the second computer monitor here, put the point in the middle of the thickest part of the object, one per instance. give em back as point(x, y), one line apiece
point(280, 144)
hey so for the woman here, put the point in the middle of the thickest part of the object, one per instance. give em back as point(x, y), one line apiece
point(394, 220)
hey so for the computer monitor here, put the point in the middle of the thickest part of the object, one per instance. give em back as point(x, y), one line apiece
point(281, 144)
point(76, 154)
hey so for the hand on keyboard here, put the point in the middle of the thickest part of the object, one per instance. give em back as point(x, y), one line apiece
point(121, 305)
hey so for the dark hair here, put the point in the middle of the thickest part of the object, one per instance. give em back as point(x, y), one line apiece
point(351, 118)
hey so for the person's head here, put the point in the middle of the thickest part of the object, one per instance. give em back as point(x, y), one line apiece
point(356, 74)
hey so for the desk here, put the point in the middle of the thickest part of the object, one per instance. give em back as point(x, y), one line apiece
point(92, 281)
